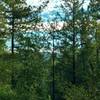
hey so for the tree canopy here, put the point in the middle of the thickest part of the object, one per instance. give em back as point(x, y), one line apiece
point(53, 59)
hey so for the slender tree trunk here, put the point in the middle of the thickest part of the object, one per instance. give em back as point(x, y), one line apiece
point(74, 62)
point(13, 81)
point(74, 45)
point(53, 70)
point(12, 37)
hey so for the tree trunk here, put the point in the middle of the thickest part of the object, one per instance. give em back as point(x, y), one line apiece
point(12, 37)
point(74, 44)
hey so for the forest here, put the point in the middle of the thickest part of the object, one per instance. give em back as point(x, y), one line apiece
point(50, 56)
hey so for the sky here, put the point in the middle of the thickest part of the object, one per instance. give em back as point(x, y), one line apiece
point(48, 13)
point(51, 8)
point(52, 3)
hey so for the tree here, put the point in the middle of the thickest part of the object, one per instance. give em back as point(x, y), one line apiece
point(14, 11)
point(72, 8)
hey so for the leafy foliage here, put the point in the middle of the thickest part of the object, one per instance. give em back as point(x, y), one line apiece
point(49, 63)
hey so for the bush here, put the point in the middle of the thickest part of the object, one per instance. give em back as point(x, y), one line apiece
point(76, 93)
point(6, 93)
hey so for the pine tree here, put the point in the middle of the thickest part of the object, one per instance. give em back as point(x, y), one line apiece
point(95, 53)
point(14, 11)
point(72, 8)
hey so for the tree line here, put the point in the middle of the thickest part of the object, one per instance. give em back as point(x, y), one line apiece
point(54, 60)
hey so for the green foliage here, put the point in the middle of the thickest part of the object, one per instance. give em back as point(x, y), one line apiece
point(77, 93)
point(71, 54)
point(7, 93)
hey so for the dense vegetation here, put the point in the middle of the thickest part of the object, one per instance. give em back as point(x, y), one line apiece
point(47, 60)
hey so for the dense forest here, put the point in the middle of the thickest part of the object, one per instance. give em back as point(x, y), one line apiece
point(53, 59)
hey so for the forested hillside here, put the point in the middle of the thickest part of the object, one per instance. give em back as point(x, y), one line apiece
point(52, 59)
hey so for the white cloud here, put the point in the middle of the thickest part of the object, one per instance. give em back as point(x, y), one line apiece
point(86, 3)
point(53, 5)
point(50, 6)
point(34, 2)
